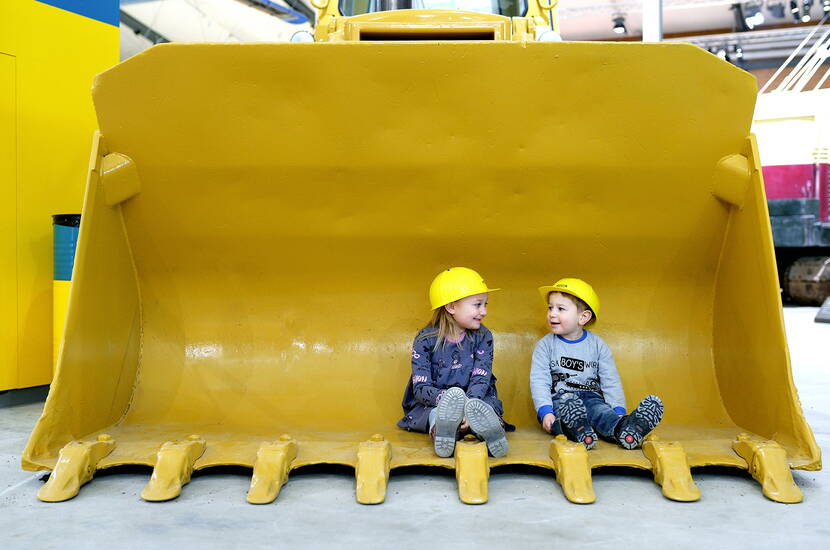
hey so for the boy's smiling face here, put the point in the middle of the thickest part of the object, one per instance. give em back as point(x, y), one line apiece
point(564, 318)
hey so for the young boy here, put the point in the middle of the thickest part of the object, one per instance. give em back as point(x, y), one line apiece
point(573, 379)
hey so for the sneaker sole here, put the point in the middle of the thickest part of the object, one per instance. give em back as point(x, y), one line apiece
point(574, 413)
point(485, 423)
point(450, 413)
point(647, 415)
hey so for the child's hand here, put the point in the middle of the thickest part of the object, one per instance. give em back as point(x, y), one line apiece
point(547, 422)
point(464, 425)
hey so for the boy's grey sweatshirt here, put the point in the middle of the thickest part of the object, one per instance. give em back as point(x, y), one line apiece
point(586, 364)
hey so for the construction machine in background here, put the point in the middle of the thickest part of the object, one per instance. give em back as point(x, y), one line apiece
point(255, 251)
point(396, 20)
point(792, 122)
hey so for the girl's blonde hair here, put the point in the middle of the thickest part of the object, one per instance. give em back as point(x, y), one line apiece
point(443, 326)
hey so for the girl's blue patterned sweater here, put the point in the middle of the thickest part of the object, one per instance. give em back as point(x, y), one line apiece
point(467, 364)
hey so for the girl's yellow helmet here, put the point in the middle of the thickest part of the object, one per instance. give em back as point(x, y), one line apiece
point(574, 287)
point(455, 283)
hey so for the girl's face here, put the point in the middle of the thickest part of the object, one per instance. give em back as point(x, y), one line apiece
point(564, 318)
point(468, 312)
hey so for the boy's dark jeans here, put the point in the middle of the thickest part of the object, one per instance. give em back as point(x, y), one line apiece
point(600, 414)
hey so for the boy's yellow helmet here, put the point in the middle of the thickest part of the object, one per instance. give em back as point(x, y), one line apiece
point(455, 283)
point(574, 287)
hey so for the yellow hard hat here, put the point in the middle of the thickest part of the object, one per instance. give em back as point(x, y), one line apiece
point(455, 283)
point(574, 287)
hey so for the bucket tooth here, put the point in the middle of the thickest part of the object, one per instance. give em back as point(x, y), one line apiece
point(174, 466)
point(570, 462)
point(671, 470)
point(273, 462)
point(372, 472)
point(76, 465)
point(767, 463)
point(471, 470)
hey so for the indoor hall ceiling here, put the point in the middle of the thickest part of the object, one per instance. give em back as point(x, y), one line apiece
point(237, 21)
point(201, 21)
point(586, 20)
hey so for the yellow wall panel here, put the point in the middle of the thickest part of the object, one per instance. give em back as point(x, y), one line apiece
point(56, 59)
point(8, 223)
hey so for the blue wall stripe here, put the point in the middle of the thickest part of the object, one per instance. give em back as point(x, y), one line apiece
point(105, 11)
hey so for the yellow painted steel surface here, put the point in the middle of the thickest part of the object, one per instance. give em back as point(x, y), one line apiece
point(48, 58)
point(60, 301)
point(256, 248)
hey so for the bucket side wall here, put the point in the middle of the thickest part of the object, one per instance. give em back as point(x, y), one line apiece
point(752, 360)
point(98, 359)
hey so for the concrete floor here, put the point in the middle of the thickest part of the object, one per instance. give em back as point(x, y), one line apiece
point(316, 508)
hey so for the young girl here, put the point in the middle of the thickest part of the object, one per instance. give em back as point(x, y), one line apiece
point(452, 389)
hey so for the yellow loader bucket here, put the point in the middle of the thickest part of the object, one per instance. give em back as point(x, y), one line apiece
point(262, 222)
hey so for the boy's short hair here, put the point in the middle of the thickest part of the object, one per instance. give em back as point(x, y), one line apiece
point(580, 304)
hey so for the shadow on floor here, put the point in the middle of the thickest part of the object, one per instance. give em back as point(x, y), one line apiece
point(25, 396)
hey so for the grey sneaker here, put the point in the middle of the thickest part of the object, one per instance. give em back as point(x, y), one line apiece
point(449, 414)
point(634, 427)
point(574, 417)
point(485, 423)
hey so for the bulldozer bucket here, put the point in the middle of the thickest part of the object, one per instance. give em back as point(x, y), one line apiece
point(262, 221)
